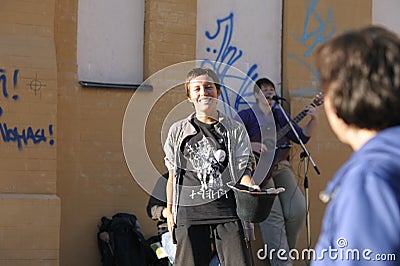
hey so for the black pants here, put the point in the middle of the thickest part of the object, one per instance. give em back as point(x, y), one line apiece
point(195, 244)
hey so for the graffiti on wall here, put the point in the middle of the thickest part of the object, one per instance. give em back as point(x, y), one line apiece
point(224, 55)
point(313, 35)
point(3, 81)
point(14, 134)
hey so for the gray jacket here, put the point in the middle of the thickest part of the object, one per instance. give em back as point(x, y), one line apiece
point(241, 159)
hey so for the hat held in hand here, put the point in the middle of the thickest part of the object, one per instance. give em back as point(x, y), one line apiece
point(253, 205)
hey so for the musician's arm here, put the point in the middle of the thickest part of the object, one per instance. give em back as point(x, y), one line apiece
point(310, 127)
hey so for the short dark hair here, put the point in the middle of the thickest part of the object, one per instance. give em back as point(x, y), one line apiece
point(261, 82)
point(360, 73)
point(195, 72)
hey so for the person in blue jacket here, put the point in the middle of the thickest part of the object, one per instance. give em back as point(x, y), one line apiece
point(360, 76)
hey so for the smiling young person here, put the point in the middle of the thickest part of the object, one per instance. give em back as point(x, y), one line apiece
point(204, 152)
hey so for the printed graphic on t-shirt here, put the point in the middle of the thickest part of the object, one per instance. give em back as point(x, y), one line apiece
point(206, 161)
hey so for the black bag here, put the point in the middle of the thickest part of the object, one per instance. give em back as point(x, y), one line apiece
point(121, 242)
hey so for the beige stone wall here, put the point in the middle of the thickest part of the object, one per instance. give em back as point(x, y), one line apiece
point(93, 178)
point(29, 206)
point(170, 33)
point(53, 192)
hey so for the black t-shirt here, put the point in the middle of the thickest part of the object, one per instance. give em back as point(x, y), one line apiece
point(204, 196)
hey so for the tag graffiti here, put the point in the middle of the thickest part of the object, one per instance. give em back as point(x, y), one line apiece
point(22, 137)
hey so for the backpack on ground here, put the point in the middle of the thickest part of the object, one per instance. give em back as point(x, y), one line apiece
point(121, 242)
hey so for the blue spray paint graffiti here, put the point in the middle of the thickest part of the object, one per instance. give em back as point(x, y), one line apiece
point(14, 134)
point(312, 37)
point(3, 81)
point(226, 55)
point(23, 136)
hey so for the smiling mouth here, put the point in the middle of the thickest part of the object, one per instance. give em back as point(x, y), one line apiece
point(205, 100)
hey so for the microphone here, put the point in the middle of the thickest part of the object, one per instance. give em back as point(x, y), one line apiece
point(275, 98)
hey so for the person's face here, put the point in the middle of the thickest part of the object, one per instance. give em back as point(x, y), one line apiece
point(203, 94)
point(265, 91)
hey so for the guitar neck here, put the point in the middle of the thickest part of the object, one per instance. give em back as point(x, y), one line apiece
point(286, 128)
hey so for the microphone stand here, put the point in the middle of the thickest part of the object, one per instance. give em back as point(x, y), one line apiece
point(304, 154)
point(297, 136)
point(308, 225)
